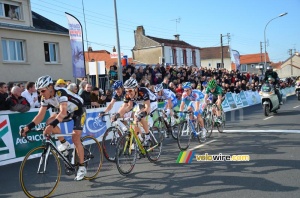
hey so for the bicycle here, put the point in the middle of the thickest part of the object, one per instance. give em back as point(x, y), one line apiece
point(130, 145)
point(40, 176)
point(210, 119)
point(111, 136)
point(165, 125)
point(187, 130)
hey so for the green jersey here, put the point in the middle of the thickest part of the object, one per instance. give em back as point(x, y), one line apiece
point(218, 91)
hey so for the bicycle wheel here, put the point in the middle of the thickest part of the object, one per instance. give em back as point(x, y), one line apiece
point(222, 126)
point(175, 130)
point(208, 124)
point(109, 142)
point(184, 136)
point(155, 146)
point(93, 156)
point(126, 155)
point(36, 182)
point(159, 126)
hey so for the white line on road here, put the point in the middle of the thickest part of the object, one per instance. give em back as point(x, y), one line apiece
point(296, 106)
point(262, 131)
point(202, 145)
point(268, 117)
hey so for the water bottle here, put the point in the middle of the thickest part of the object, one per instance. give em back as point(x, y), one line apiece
point(122, 126)
point(141, 137)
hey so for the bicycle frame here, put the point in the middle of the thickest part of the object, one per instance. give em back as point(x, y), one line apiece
point(50, 145)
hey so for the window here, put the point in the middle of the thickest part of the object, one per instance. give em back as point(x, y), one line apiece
point(171, 56)
point(51, 52)
point(10, 11)
point(218, 65)
point(13, 50)
point(243, 68)
point(194, 58)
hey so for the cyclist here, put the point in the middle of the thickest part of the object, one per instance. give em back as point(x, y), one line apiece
point(170, 100)
point(70, 108)
point(217, 93)
point(192, 97)
point(270, 74)
point(145, 104)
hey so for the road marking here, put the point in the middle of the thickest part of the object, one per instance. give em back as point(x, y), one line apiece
point(268, 117)
point(201, 145)
point(296, 106)
point(262, 131)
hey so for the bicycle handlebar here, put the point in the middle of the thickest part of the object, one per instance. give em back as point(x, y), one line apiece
point(34, 129)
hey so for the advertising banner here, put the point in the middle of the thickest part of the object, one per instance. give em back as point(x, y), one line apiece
point(243, 98)
point(230, 100)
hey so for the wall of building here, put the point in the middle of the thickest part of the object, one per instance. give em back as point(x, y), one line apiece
point(26, 19)
point(287, 71)
point(35, 65)
point(213, 63)
point(147, 55)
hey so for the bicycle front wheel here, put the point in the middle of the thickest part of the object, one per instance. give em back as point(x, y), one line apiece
point(126, 154)
point(93, 156)
point(109, 142)
point(208, 123)
point(160, 127)
point(39, 174)
point(184, 136)
point(222, 125)
point(155, 146)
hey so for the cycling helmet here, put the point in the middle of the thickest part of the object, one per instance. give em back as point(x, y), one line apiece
point(130, 83)
point(117, 85)
point(212, 84)
point(43, 82)
point(187, 85)
point(158, 88)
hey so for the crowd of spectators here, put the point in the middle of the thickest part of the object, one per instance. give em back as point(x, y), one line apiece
point(20, 97)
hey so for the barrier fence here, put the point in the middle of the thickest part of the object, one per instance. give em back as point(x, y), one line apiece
point(13, 148)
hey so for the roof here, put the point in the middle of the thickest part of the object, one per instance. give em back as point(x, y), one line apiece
point(102, 55)
point(276, 65)
point(214, 52)
point(253, 58)
point(171, 42)
point(40, 24)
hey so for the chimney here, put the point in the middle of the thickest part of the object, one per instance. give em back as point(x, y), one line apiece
point(140, 30)
point(177, 37)
point(114, 49)
point(90, 49)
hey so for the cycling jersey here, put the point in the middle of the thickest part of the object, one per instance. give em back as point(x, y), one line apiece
point(118, 98)
point(196, 95)
point(218, 91)
point(143, 94)
point(75, 102)
point(167, 94)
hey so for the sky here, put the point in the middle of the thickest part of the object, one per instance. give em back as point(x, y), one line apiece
point(198, 22)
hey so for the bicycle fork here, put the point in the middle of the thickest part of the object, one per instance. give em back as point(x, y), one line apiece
point(44, 160)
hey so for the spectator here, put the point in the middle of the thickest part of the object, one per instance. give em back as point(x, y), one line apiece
point(179, 91)
point(31, 95)
point(95, 100)
point(3, 96)
point(60, 83)
point(16, 102)
point(165, 82)
point(21, 85)
point(82, 86)
point(86, 95)
point(73, 88)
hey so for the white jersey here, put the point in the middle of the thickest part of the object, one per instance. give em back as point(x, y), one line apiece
point(167, 94)
point(64, 95)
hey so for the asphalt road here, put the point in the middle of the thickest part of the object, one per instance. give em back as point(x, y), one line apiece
point(273, 170)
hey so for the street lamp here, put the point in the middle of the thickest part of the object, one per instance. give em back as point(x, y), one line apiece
point(283, 14)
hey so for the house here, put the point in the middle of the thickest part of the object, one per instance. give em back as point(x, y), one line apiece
point(153, 50)
point(101, 55)
point(211, 57)
point(253, 63)
point(31, 45)
point(290, 67)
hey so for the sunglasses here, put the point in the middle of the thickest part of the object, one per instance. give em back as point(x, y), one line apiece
point(186, 90)
point(129, 90)
point(42, 91)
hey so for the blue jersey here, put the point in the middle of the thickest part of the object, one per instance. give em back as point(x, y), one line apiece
point(196, 95)
point(118, 98)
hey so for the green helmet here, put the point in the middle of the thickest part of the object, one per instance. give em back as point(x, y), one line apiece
point(212, 84)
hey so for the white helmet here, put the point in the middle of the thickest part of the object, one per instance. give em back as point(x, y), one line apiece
point(43, 82)
point(130, 83)
point(158, 88)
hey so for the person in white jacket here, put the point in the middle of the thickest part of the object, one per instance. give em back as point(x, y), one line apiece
point(31, 95)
